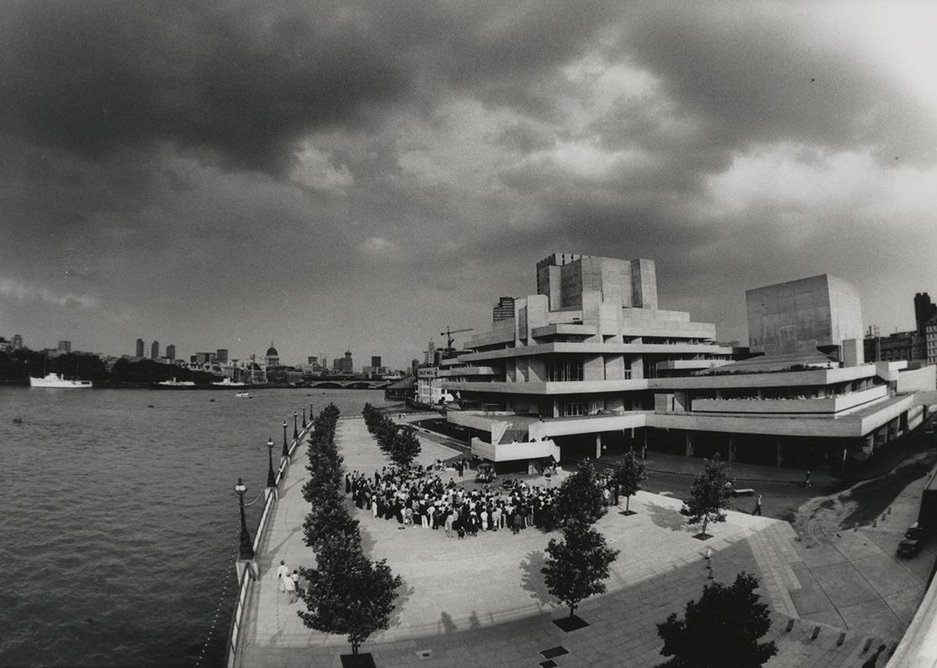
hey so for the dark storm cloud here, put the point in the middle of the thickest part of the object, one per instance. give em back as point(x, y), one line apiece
point(751, 74)
point(91, 77)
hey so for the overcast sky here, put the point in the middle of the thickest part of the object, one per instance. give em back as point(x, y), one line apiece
point(363, 174)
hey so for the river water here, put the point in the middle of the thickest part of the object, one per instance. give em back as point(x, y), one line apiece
point(119, 522)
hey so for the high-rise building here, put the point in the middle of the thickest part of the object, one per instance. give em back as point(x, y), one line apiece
point(344, 364)
point(376, 361)
point(154, 350)
point(503, 310)
point(171, 351)
point(139, 347)
point(429, 357)
point(924, 311)
point(221, 355)
point(17, 341)
point(312, 360)
point(65, 346)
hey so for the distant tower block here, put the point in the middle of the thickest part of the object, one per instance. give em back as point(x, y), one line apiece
point(139, 347)
point(171, 351)
point(154, 350)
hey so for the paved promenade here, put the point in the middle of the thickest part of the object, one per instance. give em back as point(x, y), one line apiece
point(482, 601)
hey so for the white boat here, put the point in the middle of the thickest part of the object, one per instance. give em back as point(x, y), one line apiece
point(176, 383)
point(243, 394)
point(55, 380)
point(227, 382)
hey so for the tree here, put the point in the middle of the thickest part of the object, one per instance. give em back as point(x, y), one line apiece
point(405, 446)
point(577, 566)
point(709, 495)
point(349, 594)
point(629, 475)
point(580, 497)
point(329, 516)
point(721, 629)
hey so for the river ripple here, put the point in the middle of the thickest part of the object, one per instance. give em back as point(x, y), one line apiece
point(119, 522)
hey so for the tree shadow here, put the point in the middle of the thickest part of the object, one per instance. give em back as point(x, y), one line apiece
point(532, 579)
point(445, 624)
point(404, 592)
point(667, 518)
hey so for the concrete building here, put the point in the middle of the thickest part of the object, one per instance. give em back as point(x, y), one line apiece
point(344, 364)
point(592, 365)
point(171, 352)
point(930, 341)
point(139, 347)
point(803, 315)
point(503, 310)
point(154, 350)
point(221, 355)
point(376, 361)
point(65, 346)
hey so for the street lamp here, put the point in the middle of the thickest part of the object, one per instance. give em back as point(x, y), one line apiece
point(310, 412)
point(247, 549)
point(295, 430)
point(304, 417)
point(286, 450)
point(271, 478)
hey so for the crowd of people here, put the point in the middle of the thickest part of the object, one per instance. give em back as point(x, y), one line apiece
point(418, 497)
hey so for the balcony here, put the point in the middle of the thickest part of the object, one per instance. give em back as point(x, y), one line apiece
point(825, 405)
point(511, 452)
point(544, 388)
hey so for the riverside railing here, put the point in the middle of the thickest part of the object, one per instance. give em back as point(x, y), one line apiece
point(245, 572)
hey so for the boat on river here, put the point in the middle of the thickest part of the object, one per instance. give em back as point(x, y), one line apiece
point(176, 384)
point(243, 395)
point(56, 381)
point(227, 382)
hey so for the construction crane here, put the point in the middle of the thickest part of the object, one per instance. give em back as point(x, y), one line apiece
point(448, 334)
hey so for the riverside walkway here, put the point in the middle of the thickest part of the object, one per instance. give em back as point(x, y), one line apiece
point(482, 601)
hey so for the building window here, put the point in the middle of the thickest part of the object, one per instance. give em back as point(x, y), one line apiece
point(564, 369)
point(571, 408)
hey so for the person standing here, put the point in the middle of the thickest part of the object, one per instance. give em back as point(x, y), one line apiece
point(283, 573)
point(757, 510)
point(807, 478)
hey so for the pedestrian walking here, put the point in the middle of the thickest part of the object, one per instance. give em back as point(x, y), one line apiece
point(807, 478)
point(290, 587)
point(283, 573)
point(757, 510)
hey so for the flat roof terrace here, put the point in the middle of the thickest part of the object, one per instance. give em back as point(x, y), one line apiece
point(482, 601)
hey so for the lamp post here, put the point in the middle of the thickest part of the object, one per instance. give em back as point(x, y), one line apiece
point(286, 450)
point(310, 412)
point(247, 550)
point(271, 478)
point(295, 430)
point(304, 417)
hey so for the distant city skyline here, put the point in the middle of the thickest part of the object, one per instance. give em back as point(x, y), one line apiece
point(365, 184)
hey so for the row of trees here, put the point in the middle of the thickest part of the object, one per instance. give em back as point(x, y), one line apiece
point(399, 442)
point(348, 593)
point(18, 365)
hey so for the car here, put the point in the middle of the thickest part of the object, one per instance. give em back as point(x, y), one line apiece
point(913, 541)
